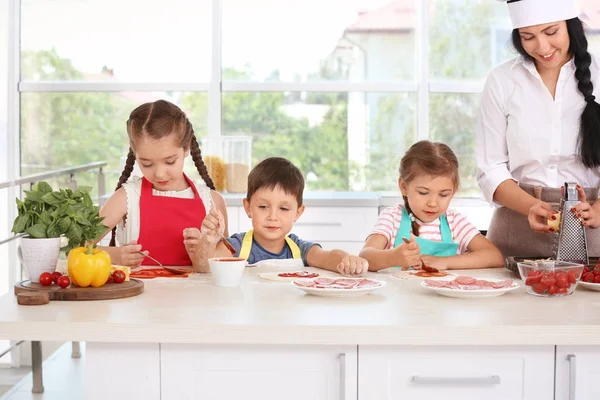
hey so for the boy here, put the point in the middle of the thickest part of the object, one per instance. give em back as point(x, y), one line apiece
point(274, 203)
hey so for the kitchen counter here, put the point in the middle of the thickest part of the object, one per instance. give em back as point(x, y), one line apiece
point(264, 312)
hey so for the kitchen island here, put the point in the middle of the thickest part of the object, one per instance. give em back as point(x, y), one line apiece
point(186, 339)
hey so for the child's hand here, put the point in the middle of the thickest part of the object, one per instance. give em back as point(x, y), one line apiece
point(408, 254)
point(353, 265)
point(194, 241)
point(129, 255)
point(435, 262)
point(213, 226)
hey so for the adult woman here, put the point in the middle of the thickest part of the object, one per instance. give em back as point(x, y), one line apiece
point(539, 127)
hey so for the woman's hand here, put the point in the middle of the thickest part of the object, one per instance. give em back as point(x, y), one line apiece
point(539, 214)
point(435, 262)
point(408, 254)
point(588, 216)
point(353, 265)
point(129, 255)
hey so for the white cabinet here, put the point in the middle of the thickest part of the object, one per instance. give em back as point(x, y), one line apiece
point(456, 373)
point(258, 372)
point(122, 371)
point(577, 372)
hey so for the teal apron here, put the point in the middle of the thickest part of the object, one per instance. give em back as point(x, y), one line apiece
point(444, 248)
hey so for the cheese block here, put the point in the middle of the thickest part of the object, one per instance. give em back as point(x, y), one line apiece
point(126, 270)
point(555, 223)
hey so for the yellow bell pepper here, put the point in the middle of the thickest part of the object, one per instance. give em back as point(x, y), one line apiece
point(88, 266)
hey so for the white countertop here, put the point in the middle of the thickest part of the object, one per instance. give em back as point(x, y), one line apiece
point(402, 313)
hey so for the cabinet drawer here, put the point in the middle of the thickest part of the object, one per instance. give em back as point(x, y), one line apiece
point(258, 372)
point(328, 223)
point(456, 373)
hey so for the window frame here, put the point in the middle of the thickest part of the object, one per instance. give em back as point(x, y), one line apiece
point(422, 85)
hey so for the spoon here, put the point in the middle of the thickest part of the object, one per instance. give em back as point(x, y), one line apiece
point(228, 245)
point(171, 270)
point(424, 267)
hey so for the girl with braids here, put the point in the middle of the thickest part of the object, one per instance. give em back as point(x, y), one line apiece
point(161, 213)
point(538, 128)
point(423, 229)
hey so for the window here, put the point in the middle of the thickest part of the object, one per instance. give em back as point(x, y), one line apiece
point(341, 87)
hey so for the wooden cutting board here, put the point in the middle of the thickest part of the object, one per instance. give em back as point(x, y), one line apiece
point(29, 293)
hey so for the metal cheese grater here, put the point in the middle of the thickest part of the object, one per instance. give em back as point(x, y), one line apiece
point(572, 243)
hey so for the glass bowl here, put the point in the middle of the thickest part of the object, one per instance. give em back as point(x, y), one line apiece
point(550, 278)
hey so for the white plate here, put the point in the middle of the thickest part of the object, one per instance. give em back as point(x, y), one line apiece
point(590, 286)
point(473, 293)
point(332, 292)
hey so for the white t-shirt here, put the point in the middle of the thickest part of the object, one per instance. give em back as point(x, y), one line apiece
point(462, 230)
point(525, 135)
point(130, 230)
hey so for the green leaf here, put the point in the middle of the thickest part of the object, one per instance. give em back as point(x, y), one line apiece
point(37, 231)
point(53, 231)
point(64, 224)
point(43, 187)
point(20, 224)
point(45, 217)
point(33, 196)
point(83, 220)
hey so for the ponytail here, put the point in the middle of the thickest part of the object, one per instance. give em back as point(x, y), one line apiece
point(413, 223)
point(198, 161)
point(588, 142)
point(124, 176)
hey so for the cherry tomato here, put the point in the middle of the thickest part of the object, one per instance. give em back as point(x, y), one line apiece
point(588, 277)
point(55, 276)
point(533, 277)
point(539, 287)
point(597, 269)
point(561, 290)
point(562, 281)
point(552, 290)
point(548, 280)
point(597, 279)
point(573, 275)
point(109, 279)
point(63, 281)
point(585, 269)
point(46, 278)
point(118, 276)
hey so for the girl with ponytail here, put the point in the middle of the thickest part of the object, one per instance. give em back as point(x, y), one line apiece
point(161, 213)
point(538, 128)
point(423, 229)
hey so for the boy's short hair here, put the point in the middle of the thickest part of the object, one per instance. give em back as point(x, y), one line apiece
point(275, 172)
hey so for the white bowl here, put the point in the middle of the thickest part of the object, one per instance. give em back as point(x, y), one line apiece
point(227, 271)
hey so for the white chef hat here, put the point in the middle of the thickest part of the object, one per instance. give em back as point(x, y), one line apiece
point(536, 12)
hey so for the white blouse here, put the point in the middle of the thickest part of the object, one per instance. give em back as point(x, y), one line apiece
point(525, 135)
point(130, 230)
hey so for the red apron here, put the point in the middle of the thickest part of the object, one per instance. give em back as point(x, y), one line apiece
point(162, 221)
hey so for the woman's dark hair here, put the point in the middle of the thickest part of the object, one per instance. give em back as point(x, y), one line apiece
point(429, 158)
point(588, 141)
point(157, 120)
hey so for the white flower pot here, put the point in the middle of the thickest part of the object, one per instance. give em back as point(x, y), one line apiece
point(38, 256)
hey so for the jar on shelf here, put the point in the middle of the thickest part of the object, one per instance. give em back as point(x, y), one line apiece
point(228, 160)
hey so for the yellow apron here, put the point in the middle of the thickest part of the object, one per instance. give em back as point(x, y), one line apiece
point(295, 261)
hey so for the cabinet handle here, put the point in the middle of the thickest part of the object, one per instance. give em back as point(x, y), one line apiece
point(441, 380)
point(342, 362)
point(572, 375)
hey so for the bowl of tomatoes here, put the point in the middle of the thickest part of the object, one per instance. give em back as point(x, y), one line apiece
point(550, 278)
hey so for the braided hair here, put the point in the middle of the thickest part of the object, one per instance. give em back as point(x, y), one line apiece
point(428, 158)
point(588, 141)
point(157, 120)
